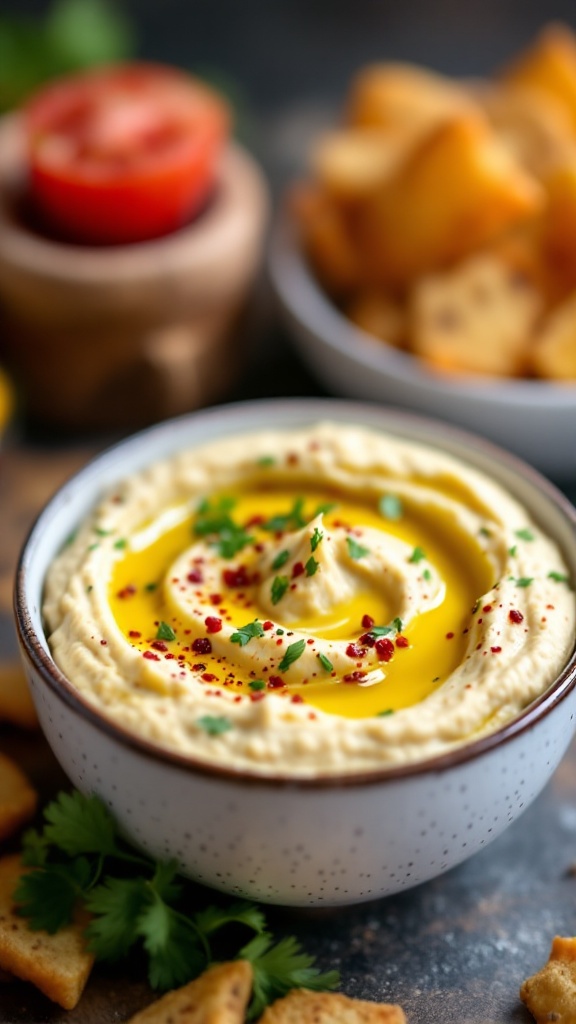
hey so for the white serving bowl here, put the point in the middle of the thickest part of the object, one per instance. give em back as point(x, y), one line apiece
point(306, 842)
point(533, 418)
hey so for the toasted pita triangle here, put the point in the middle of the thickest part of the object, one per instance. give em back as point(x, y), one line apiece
point(301, 1006)
point(219, 996)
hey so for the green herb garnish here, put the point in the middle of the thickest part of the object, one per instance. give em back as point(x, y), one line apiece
point(281, 559)
point(311, 566)
point(244, 634)
point(292, 520)
point(120, 543)
point(279, 587)
point(524, 534)
point(165, 632)
point(426, 575)
point(484, 531)
point(150, 587)
point(559, 577)
point(385, 713)
point(214, 725)
point(257, 684)
point(215, 523)
point(293, 652)
point(513, 551)
point(390, 507)
point(316, 538)
point(417, 555)
point(356, 550)
point(524, 581)
point(265, 461)
point(325, 662)
point(79, 860)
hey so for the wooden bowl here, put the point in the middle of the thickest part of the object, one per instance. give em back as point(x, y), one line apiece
point(122, 336)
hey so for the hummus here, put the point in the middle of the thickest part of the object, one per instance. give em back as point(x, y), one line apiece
point(325, 601)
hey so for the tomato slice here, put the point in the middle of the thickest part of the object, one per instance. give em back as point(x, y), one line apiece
point(125, 153)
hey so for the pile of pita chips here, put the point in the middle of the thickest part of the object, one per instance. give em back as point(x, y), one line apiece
point(428, 178)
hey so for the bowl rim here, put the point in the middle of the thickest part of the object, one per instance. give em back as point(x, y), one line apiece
point(304, 411)
point(307, 302)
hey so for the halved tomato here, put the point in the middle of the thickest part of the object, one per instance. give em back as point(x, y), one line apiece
point(124, 153)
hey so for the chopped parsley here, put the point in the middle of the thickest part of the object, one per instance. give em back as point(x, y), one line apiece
point(214, 725)
point(265, 461)
point(165, 632)
point(293, 652)
point(524, 581)
point(311, 566)
point(150, 587)
point(558, 577)
point(325, 662)
point(397, 624)
point(292, 520)
point(214, 521)
point(257, 684)
point(316, 538)
point(391, 507)
point(377, 631)
point(417, 555)
point(244, 634)
point(484, 531)
point(281, 559)
point(513, 551)
point(426, 575)
point(120, 543)
point(101, 533)
point(279, 587)
point(385, 713)
point(524, 534)
point(356, 550)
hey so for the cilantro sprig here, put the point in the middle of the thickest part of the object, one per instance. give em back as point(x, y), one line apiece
point(244, 634)
point(78, 859)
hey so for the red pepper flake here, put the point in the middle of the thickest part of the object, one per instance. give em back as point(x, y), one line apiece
point(354, 677)
point(296, 699)
point(213, 625)
point(150, 656)
point(384, 648)
point(297, 569)
point(267, 625)
point(367, 639)
point(238, 698)
point(215, 599)
point(208, 677)
point(202, 645)
point(169, 657)
point(354, 651)
point(495, 650)
point(199, 667)
point(259, 548)
point(159, 645)
point(292, 459)
point(134, 634)
point(550, 606)
point(236, 578)
point(515, 616)
point(256, 520)
point(128, 591)
point(449, 636)
point(275, 683)
point(487, 608)
point(367, 622)
point(310, 641)
point(402, 641)
point(195, 576)
point(104, 643)
point(259, 695)
point(279, 642)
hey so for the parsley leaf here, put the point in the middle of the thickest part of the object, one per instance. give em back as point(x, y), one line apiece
point(311, 566)
point(385, 713)
point(213, 918)
point(316, 538)
point(280, 585)
point(48, 896)
point(214, 725)
point(278, 968)
point(244, 634)
point(281, 559)
point(175, 953)
point(292, 520)
point(266, 460)
point(115, 906)
point(559, 577)
point(417, 555)
point(292, 653)
point(356, 550)
point(257, 684)
point(524, 581)
point(77, 824)
point(213, 521)
point(325, 662)
point(524, 534)
point(165, 632)
point(390, 507)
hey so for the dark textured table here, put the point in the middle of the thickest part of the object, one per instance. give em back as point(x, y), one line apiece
point(451, 951)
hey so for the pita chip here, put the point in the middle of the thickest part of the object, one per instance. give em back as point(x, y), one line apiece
point(302, 1006)
point(219, 996)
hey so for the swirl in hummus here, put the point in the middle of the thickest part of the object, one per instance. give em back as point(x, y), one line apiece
point(316, 602)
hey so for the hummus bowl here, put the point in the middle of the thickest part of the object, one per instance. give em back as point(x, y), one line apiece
point(292, 696)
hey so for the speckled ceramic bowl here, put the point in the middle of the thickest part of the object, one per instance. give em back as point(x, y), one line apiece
point(310, 842)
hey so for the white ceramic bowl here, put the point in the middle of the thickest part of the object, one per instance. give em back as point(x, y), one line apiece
point(310, 842)
point(535, 419)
